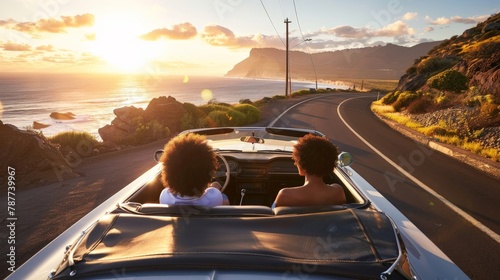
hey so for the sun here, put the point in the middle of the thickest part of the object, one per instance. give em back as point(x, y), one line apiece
point(117, 42)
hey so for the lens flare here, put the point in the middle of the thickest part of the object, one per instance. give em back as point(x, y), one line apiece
point(206, 95)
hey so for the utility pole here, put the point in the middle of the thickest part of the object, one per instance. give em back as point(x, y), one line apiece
point(286, 63)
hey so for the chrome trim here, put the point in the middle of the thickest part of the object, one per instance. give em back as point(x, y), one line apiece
point(384, 275)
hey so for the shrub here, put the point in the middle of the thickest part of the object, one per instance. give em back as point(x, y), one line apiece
point(225, 118)
point(411, 70)
point(188, 122)
point(490, 110)
point(390, 98)
point(148, 132)
point(81, 142)
point(245, 101)
point(404, 99)
point(236, 118)
point(193, 117)
point(434, 130)
point(435, 64)
point(450, 80)
point(472, 101)
point(252, 113)
point(419, 106)
point(214, 107)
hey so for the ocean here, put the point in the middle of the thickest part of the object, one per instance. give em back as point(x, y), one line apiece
point(91, 98)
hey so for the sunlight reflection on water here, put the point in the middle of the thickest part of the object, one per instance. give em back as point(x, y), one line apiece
point(25, 98)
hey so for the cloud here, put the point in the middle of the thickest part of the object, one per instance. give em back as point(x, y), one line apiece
point(429, 29)
point(47, 48)
point(348, 32)
point(10, 46)
point(58, 26)
point(336, 44)
point(221, 36)
point(7, 22)
point(90, 37)
point(456, 19)
point(217, 35)
point(182, 31)
point(50, 25)
point(395, 29)
point(410, 16)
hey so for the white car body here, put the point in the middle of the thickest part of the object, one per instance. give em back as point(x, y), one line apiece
point(425, 259)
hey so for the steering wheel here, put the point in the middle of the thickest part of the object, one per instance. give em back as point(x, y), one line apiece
point(219, 173)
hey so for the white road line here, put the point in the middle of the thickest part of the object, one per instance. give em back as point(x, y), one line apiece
point(453, 207)
point(286, 111)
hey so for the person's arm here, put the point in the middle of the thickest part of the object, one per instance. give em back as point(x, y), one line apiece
point(216, 185)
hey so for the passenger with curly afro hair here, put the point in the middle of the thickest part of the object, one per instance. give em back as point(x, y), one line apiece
point(315, 157)
point(189, 164)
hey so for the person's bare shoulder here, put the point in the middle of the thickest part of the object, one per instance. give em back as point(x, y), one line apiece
point(286, 196)
point(339, 193)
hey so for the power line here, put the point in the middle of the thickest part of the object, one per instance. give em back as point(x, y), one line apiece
point(298, 22)
point(282, 10)
point(307, 45)
point(275, 30)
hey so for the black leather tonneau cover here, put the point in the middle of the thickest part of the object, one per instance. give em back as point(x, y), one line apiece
point(356, 243)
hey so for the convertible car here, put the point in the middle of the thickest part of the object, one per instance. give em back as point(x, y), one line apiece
point(132, 236)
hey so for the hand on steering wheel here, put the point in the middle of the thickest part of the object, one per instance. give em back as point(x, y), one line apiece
point(219, 173)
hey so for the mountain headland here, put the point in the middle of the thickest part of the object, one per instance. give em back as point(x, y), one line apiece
point(387, 62)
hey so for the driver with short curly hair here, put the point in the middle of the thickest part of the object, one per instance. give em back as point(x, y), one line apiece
point(189, 164)
point(315, 157)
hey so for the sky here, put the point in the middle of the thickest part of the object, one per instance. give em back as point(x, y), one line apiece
point(208, 37)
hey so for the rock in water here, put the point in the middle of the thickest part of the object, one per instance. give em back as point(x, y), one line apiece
point(62, 116)
point(39, 125)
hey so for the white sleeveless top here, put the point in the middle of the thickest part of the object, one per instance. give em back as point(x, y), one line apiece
point(211, 197)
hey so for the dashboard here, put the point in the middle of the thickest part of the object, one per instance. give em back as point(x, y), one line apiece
point(260, 175)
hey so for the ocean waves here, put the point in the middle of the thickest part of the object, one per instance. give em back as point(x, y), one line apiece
point(27, 97)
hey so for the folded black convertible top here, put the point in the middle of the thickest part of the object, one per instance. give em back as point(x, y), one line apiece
point(352, 243)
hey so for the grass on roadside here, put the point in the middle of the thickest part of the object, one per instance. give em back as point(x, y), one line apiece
point(77, 141)
point(439, 132)
point(372, 84)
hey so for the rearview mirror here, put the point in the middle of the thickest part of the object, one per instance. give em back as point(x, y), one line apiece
point(252, 139)
point(345, 159)
point(158, 155)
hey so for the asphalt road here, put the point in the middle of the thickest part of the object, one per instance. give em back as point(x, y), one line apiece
point(470, 190)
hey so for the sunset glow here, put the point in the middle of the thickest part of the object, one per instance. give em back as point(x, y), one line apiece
point(114, 41)
point(210, 37)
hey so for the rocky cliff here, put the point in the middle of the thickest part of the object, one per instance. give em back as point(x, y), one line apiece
point(164, 111)
point(33, 158)
point(475, 53)
point(380, 62)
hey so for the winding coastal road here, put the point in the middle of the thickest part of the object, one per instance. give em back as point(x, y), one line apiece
point(456, 206)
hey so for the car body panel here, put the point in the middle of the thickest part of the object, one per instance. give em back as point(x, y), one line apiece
point(426, 260)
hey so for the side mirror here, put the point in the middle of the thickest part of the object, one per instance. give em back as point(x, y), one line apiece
point(158, 155)
point(345, 159)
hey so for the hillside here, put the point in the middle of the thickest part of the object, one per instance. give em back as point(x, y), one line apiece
point(380, 62)
point(475, 54)
point(453, 93)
